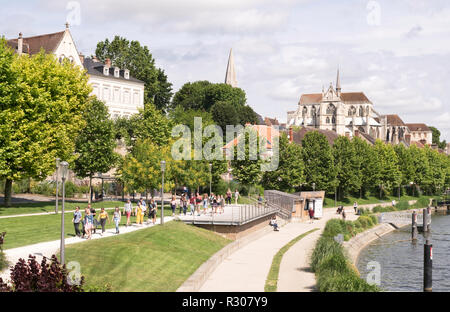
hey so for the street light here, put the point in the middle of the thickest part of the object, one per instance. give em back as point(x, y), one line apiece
point(314, 186)
point(57, 183)
point(210, 178)
point(163, 168)
point(64, 165)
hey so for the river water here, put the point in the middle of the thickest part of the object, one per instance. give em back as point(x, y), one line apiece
point(401, 262)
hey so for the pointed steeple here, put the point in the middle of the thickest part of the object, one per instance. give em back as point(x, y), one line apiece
point(338, 84)
point(230, 76)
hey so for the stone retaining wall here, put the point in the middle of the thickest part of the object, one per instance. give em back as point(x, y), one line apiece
point(357, 243)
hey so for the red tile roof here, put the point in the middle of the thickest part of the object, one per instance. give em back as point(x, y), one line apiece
point(394, 120)
point(299, 134)
point(268, 133)
point(418, 127)
point(346, 97)
point(33, 45)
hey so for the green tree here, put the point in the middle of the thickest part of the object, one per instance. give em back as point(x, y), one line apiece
point(289, 175)
point(389, 171)
point(347, 166)
point(247, 170)
point(181, 116)
point(318, 159)
point(95, 144)
point(437, 138)
point(138, 59)
point(41, 107)
point(191, 96)
point(366, 164)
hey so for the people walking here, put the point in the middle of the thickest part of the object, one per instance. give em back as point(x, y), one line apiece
point(198, 201)
point(222, 204)
point(185, 203)
point(127, 209)
point(205, 203)
point(94, 221)
point(236, 196)
point(144, 209)
point(192, 204)
point(355, 206)
point(116, 218)
point(173, 205)
point(88, 222)
point(102, 218)
point(153, 208)
point(139, 214)
point(76, 221)
point(228, 197)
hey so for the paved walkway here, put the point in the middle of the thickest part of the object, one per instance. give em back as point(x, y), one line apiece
point(246, 269)
point(47, 249)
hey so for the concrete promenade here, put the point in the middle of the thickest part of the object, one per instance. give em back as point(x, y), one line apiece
point(246, 269)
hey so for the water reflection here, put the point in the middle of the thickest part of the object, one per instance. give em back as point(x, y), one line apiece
point(401, 261)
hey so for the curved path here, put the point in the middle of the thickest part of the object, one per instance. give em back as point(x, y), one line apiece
point(246, 269)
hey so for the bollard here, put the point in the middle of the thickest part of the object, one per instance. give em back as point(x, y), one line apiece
point(425, 220)
point(429, 219)
point(414, 227)
point(427, 265)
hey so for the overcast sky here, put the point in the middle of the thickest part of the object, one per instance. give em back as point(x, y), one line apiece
point(395, 51)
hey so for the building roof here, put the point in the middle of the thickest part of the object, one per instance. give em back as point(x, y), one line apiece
point(418, 127)
point(394, 120)
point(271, 121)
point(417, 143)
point(95, 68)
point(346, 97)
point(298, 135)
point(267, 132)
point(33, 45)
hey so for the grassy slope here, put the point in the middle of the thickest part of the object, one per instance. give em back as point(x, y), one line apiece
point(22, 231)
point(26, 208)
point(155, 259)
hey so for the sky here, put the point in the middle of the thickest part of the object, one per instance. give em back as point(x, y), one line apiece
point(395, 51)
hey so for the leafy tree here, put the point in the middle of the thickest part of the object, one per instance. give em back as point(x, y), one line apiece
point(366, 164)
point(225, 113)
point(95, 144)
point(318, 159)
point(437, 138)
point(389, 171)
point(289, 175)
point(191, 96)
point(181, 116)
point(138, 59)
point(436, 169)
point(41, 112)
point(346, 165)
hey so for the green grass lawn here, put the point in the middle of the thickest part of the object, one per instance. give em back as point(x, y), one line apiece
point(329, 202)
point(22, 231)
point(26, 208)
point(157, 259)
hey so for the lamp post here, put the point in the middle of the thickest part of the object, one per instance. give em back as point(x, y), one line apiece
point(314, 186)
point(57, 183)
point(411, 183)
point(64, 166)
point(163, 168)
point(210, 178)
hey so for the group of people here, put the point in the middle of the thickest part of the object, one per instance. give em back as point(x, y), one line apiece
point(90, 221)
point(198, 203)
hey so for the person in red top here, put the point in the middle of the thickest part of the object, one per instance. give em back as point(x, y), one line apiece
point(311, 214)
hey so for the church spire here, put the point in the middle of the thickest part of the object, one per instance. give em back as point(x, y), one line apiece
point(338, 84)
point(230, 76)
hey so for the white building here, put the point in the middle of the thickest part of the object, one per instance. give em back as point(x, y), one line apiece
point(122, 94)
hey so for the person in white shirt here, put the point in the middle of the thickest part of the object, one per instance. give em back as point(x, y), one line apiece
point(127, 211)
point(236, 196)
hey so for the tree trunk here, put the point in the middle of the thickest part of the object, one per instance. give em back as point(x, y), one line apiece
point(8, 190)
point(90, 190)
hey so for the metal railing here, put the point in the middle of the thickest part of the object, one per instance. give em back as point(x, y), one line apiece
point(284, 201)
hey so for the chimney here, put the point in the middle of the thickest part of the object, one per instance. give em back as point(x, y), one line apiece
point(20, 44)
point(81, 58)
point(291, 135)
point(356, 133)
point(116, 72)
point(408, 139)
point(107, 67)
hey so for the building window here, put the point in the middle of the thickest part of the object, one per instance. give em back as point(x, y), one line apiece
point(328, 120)
point(331, 109)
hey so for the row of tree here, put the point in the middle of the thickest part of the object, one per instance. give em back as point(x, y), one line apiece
point(355, 167)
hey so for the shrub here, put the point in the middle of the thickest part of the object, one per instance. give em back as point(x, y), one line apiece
point(45, 277)
point(374, 219)
point(325, 247)
point(403, 205)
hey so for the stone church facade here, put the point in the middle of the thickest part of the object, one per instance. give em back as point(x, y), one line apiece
point(349, 114)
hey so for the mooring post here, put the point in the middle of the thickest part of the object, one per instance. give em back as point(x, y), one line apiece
point(427, 264)
point(425, 220)
point(429, 219)
point(414, 227)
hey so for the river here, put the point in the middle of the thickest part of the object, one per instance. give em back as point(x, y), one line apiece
point(401, 262)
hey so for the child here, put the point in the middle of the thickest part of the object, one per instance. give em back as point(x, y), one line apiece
point(116, 218)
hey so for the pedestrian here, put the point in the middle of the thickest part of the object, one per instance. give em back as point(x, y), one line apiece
point(198, 201)
point(184, 204)
point(88, 222)
point(355, 206)
point(215, 204)
point(228, 197)
point(116, 218)
point(153, 209)
point(311, 215)
point(144, 208)
point(173, 205)
point(139, 214)
point(102, 218)
point(260, 201)
point(94, 221)
point(192, 204)
point(181, 203)
point(127, 209)
point(273, 222)
point(76, 220)
point(236, 196)
point(222, 204)
point(343, 214)
point(205, 203)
